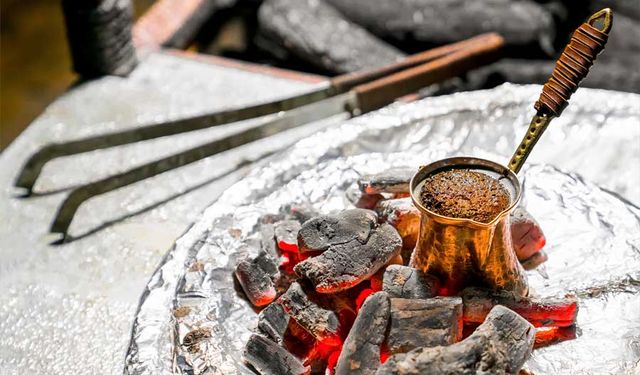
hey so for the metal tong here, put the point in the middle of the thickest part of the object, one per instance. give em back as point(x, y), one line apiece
point(353, 93)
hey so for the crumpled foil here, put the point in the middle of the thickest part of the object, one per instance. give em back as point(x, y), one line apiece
point(593, 230)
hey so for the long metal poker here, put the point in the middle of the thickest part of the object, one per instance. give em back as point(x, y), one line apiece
point(572, 66)
point(338, 85)
point(361, 99)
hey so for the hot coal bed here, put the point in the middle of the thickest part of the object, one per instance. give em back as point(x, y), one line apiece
point(337, 296)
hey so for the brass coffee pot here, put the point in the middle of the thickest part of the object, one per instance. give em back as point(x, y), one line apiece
point(464, 252)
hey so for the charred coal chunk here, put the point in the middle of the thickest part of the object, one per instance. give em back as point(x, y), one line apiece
point(520, 22)
point(286, 233)
point(541, 312)
point(500, 345)
point(273, 322)
point(403, 215)
point(323, 231)
point(526, 233)
point(318, 34)
point(417, 323)
point(322, 323)
point(269, 358)
point(395, 180)
point(345, 265)
point(406, 282)
point(361, 351)
point(268, 240)
point(256, 282)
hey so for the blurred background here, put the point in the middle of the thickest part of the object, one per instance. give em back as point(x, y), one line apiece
point(35, 61)
point(325, 37)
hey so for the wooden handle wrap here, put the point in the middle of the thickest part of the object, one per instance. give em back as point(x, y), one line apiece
point(572, 66)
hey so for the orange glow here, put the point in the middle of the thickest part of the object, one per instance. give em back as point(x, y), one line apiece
point(362, 297)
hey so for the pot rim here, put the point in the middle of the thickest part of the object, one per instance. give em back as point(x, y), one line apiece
point(465, 162)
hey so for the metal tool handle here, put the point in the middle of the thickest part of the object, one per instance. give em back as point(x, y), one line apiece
point(376, 94)
point(346, 82)
point(574, 62)
point(573, 65)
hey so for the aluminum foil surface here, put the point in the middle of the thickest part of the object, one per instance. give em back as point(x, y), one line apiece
point(580, 184)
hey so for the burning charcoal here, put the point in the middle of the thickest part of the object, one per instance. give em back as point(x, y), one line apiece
point(269, 358)
point(362, 200)
point(535, 260)
point(546, 312)
point(395, 180)
point(361, 350)
point(256, 282)
point(500, 345)
point(552, 335)
point(403, 215)
point(520, 22)
point(273, 322)
point(526, 233)
point(315, 32)
point(419, 323)
point(286, 232)
point(323, 324)
point(345, 265)
point(323, 231)
point(406, 282)
point(368, 201)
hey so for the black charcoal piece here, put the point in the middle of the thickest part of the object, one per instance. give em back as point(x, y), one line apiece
point(268, 240)
point(346, 265)
point(318, 34)
point(273, 322)
point(269, 358)
point(395, 180)
point(500, 345)
point(323, 231)
point(321, 323)
point(361, 350)
point(541, 312)
point(268, 264)
point(286, 232)
point(256, 282)
point(406, 282)
point(446, 21)
point(417, 323)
